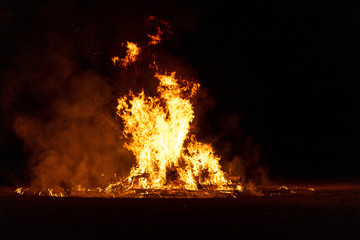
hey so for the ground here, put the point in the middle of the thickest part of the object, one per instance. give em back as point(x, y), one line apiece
point(299, 212)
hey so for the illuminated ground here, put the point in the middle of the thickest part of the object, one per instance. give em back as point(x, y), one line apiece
point(328, 212)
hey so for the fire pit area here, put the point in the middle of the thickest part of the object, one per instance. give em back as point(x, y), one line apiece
point(301, 211)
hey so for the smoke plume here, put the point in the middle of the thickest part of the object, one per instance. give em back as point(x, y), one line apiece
point(66, 119)
point(64, 109)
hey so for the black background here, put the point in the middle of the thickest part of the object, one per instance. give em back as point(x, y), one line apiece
point(288, 69)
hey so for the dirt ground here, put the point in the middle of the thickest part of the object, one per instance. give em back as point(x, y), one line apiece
point(298, 212)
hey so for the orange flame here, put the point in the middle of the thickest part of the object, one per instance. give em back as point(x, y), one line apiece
point(162, 27)
point(115, 59)
point(132, 53)
point(157, 38)
point(167, 157)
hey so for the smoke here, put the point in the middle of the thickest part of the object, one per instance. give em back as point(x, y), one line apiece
point(66, 118)
point(240, 151)
point(65, 114)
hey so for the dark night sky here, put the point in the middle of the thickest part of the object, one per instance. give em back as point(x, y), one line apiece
point(288, 71)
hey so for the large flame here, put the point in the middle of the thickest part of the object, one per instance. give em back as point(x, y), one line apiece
point(167, 156)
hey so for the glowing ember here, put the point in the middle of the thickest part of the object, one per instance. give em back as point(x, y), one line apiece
point(21, 190)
